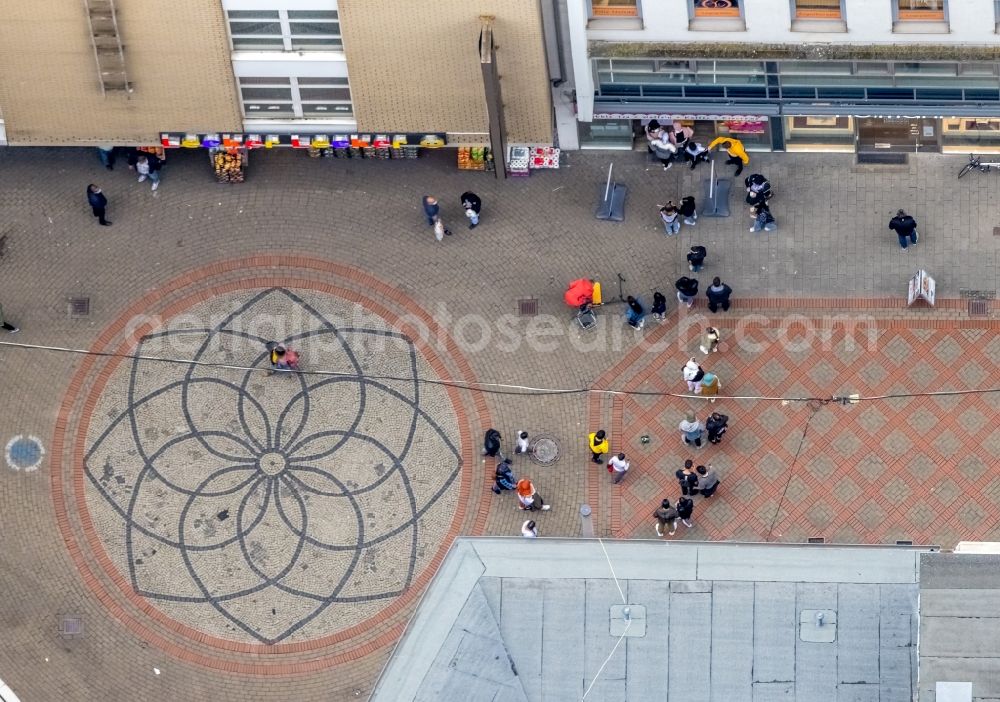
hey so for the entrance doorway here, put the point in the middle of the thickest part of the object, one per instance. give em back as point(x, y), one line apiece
point(898, 134)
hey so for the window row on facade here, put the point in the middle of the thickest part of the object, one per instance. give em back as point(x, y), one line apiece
point(902, 10)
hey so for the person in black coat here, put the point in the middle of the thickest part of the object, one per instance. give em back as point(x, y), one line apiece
point(906, 229)
point(98, 203)
point(685, 508)
point(687, 478)
point(473, 205)
point(696, 257)
point(718, 295)
point(491, 443)
point(659, 308)
point(716, 426)
point(687, 289)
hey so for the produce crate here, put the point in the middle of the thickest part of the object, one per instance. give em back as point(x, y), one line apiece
point(472, 158)
point(230, 164)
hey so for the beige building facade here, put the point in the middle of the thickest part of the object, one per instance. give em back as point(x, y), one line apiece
point(415, 66)
point(266, 66)
point(176, 60)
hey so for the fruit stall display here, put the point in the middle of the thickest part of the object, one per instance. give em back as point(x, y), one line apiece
point(230, 164)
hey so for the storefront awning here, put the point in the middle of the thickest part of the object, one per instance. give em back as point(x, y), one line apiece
point(686, 110)
point(914, 111)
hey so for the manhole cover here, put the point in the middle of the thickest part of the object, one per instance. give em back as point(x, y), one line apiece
point(24, 453)
point(544, 450)
point(996, 231)
point(527, 307)
point(979, 308)
point(79, 306)
point(71, 626)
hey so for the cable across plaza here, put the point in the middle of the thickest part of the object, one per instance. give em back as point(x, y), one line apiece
point(501, 388)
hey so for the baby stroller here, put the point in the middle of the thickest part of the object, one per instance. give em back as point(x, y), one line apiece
point(584, 295)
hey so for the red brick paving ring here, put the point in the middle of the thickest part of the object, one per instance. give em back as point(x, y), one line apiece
point(263, 515)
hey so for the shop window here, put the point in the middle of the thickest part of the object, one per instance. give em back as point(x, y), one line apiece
point(295, 98)
point(818, 9)
point(717, 8)
point(284, 30)
point(614, 8)
point(920, 10)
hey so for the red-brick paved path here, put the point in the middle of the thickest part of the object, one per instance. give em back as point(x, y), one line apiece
point(921, 468)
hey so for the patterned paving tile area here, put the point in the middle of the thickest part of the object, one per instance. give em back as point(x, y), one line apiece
point(925, 469)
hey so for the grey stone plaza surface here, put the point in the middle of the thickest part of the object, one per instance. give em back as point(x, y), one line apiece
point(511, 620)
point(536, 235)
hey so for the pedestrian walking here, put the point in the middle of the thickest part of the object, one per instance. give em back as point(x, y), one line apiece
point(708, 480)
point(696, 153)
point(504, 477)
point(692, 374)
point(718, 295)
point(737, 154)
point(671, 217)
point(696, 258)
point(618, 467)
point(710, 385)
point(710, 341)
point(440, 231)
point(906, 229)
point(521, 443)
point(598, 442)
point(692, 431)
point(689, 210)
point(7, 326)
point(687, 289)
point(685, 508)
point(529, 530)
point(659, 308)
point(98, 203)
point(715, 426)
point(106, 152)
point(758, 189)
point(763, 220)
point(148, 166)
point(687, 478)
point(431, 209)
point(491, 443)
point(664, 151)
point(635, 313)
point(665, 515)
point(529, 498)
point(473, 205)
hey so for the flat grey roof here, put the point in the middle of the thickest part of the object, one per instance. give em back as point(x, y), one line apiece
point(528, 620)
point(960, 623)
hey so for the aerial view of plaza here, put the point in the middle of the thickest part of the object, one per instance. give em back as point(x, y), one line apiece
point(500, 350)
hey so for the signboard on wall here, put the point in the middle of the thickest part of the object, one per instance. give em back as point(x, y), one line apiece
point(670, 116)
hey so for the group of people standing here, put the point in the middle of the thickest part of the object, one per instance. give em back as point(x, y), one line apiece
point(147, 166)
point(472, 206)
point(528, 498)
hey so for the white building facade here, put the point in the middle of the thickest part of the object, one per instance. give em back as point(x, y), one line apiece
point(798, 75)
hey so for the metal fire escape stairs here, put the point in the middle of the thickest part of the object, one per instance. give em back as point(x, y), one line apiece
point(108, 50)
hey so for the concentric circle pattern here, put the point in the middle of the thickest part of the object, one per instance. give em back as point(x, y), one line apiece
point(269, 508)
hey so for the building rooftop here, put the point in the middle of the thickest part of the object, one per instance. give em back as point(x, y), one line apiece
point(960, 626)
point(518, 620)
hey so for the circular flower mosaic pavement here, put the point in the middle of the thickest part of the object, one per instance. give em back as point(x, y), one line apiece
point(271, 508)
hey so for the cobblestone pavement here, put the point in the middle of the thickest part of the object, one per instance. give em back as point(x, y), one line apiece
point(237, 480)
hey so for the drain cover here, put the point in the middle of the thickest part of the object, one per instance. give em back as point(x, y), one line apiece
point(527, 307)
point(71, 626)
point(79, 306)
point(979, 308)
point(544, 450)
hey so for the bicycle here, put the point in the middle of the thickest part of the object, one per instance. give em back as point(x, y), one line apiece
point(977, 162)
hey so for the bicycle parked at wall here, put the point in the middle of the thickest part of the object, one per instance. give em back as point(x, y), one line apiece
point(977, 162)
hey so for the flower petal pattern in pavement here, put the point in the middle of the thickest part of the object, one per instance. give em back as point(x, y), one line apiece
point(272, 508)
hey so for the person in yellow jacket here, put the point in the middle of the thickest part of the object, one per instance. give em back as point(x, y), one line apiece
point(734, 147)
point(598, 442)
